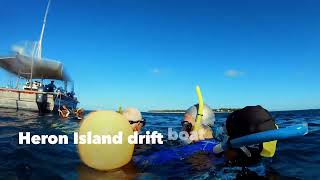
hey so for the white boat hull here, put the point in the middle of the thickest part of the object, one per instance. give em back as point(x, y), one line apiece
point(27, 100)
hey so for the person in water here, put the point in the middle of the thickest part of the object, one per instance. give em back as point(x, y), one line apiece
point(207, 122)
point(64, 112)
point(246, 121)
point(79, 113)
point(135, 118)
point(136, 121)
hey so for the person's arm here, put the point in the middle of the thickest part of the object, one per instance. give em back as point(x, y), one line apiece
point(68, 112)
point(60, 113)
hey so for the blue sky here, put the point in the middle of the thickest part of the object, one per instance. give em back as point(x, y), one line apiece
point(152, 54)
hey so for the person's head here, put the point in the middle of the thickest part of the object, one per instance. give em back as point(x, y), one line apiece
point(246, 121)
point(249, 120)
point(64, 107)
point(190, 116)
point(52, 82)
point(135, 118)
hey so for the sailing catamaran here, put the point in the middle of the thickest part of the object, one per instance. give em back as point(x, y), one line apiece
point(34, 69)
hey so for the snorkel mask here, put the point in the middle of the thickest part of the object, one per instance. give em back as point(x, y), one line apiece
point(142, 121)
point(186, 126)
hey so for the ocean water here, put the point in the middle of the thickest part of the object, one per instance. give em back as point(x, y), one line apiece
point(295, 158)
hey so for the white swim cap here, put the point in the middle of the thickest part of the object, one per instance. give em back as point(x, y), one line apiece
point(208, 117)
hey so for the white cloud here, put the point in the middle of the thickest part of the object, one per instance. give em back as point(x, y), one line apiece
point(233, 73)
point(155, 71)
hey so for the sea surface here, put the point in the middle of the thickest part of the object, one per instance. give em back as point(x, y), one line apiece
point(295, 158)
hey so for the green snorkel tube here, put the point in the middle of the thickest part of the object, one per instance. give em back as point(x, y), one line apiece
point(200, 110)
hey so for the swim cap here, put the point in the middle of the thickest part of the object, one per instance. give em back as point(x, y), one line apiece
point(208, 114)
point(132, 114)
point(249, 120)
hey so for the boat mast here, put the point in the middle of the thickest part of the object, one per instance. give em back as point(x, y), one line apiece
point(39, 50)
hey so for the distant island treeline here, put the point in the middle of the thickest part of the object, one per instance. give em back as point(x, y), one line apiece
point(221, 110)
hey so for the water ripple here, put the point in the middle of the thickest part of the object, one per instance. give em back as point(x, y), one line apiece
point(295, 158)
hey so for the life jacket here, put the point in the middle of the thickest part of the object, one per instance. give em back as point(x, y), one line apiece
point(250, 120)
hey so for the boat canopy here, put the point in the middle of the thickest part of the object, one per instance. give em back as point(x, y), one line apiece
point(20, 65)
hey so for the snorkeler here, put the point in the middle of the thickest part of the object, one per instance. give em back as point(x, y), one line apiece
point(135, 118)
point(79, 113)
point(199, 119)
point(246, 121)
point(64, 112)
point(207, 122)
point(136, 121)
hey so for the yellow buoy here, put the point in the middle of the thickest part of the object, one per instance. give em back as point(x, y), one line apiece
point(106, 156)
